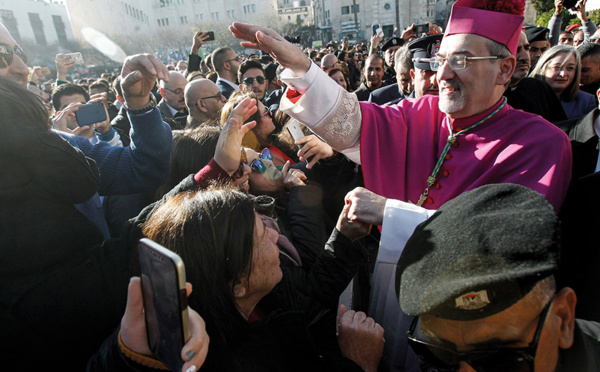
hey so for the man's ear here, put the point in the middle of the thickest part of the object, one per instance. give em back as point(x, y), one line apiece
point(598, 94)
point(412, 74)
point(200, 105)
point(162, 92)
point(507, 68)
point(564, 307)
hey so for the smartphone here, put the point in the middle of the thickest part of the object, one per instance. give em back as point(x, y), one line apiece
point(295, 131)
point(90, 113)
point(165, 302)
point(76, 57)
point(376, 27)
point(421, 29)
point(211, 36)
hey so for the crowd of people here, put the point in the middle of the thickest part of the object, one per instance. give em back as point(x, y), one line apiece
point(424, 202)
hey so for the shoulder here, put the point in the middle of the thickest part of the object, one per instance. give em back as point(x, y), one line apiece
point(535, 127)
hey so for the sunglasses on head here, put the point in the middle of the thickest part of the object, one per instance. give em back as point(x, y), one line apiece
point(7, 55)
point(259, 79)
point(440, 359)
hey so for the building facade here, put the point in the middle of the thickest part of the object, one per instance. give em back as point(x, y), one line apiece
point(37, 22)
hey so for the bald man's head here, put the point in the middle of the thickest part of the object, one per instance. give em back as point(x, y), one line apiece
point(203, 99)
point(14, 64)
point(172, 91)
point(328, 61)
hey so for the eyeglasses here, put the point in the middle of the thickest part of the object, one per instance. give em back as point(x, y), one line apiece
point(259, 80)
point(239, 173)
point(437, 358)
point(237, 58)
point(267, 112)
point(455, 61)
point(217, 96)
point(259, 165)
point(7, 55)
point(177, 91)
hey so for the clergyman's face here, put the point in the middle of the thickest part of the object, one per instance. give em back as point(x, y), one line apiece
point(466, 92)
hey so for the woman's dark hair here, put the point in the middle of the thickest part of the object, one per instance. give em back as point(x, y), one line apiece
point(330, 72)
point(192, 150)
point(22, 107)
point(213, 232)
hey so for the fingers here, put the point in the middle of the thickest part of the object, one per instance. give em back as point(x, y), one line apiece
point(135, 305)
point(195, 350)
point(285, 168)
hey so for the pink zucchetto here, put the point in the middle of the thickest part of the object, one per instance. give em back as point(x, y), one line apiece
point(498, 20)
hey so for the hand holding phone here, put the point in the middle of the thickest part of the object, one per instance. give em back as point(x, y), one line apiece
point(90, 113)
point(295, 131)
point(76, 58)
point(165, 302)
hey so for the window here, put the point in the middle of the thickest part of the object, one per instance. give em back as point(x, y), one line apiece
point(199, 17)
point(162, 3)
point(345, 9)
point(231, 14)
point(357, 8)
point(215, 16)
point(8, 19)
point(183, 20)
point(59, 26)
point(38, 28)
point(253, 8)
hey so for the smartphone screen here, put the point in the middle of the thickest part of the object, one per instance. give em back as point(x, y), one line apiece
point(90, 113)
point(421, 29)
point(165, 302)
point(77, 58)
point(211, 36)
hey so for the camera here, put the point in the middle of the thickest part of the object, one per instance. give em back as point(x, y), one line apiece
point(293, 40)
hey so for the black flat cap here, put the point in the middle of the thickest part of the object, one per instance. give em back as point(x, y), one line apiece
point(536, 33)
point(395, 41)
point(479, 253)
point(424, 47)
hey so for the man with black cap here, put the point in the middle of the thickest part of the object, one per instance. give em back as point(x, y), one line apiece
point(389, 49)
point(529, 94)
point(424, 78)
point(483, 291)
point(538, 43)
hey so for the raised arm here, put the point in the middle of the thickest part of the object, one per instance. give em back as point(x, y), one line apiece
point(312, 97)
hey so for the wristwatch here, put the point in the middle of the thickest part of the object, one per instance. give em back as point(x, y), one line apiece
point(144, 109)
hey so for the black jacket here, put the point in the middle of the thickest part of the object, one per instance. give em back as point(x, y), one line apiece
point(580, 217)
point(63, 290)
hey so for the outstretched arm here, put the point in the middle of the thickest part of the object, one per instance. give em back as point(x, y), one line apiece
point(269, 41)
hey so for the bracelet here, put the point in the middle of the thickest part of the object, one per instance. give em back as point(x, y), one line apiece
point(144, 109)
point(143, 360)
